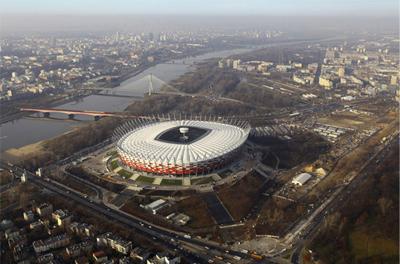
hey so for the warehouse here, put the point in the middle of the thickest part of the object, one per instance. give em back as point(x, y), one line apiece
point(301, 179)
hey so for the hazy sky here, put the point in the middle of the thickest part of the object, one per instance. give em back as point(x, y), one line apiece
point(210, 7)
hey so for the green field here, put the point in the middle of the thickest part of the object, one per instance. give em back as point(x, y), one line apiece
point(124, 173)
point(145, 179)
point(114, 164)
point(171, 182)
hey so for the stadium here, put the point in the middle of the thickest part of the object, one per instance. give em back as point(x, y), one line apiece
point(180, 147)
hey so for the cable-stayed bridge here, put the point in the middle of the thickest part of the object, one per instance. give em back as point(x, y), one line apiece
point(149, 84)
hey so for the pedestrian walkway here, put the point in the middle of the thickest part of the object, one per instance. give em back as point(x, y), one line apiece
point(117, 169)
point(157, 181)
point(135, 176)
point(186, 181)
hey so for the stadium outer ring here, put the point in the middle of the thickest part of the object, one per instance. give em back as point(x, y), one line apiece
point(230, 135)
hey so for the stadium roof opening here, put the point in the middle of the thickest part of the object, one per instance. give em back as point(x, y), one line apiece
point(174, 135)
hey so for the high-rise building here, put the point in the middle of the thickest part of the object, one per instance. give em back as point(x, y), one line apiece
point(235, 64)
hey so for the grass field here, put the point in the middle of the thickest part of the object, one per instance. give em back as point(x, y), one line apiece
point(171, 182)
point(114, 164)
point(124, 173)
point(145, 179)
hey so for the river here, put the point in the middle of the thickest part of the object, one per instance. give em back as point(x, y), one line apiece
point(28, 130)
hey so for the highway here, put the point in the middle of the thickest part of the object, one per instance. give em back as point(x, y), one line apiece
point(162, 235)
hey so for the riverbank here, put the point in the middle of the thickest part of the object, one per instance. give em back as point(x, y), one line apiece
point(37, 149)
point(49, 150)
point(15, 155)
point(51, 104)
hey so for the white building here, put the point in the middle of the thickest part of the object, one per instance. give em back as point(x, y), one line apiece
point(155, 206)
point(301, 179)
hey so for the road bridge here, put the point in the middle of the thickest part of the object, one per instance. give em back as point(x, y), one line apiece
point(162, 117)
point(71, 113)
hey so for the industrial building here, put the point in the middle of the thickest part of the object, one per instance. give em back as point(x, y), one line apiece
point(155, 206)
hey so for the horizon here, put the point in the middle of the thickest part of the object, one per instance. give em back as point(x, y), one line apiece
point(16, 23)
point(205, 7)
point(158, 15)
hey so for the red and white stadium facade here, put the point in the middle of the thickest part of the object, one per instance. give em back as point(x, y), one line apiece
point(139, 148)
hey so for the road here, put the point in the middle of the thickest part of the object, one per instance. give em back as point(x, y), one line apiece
point(161, 234)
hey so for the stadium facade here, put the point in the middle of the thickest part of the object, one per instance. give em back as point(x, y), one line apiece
point(180, 147)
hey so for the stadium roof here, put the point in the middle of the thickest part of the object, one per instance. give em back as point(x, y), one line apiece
point(142, 143)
